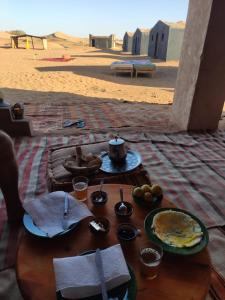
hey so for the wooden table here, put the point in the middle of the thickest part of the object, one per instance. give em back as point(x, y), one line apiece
point(185, 278)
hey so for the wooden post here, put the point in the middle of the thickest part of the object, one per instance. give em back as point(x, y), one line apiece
point(15, 41)
point(45, 44)
point(12, 42)
point(200, 89)
point(27, 43)
point(32, 42)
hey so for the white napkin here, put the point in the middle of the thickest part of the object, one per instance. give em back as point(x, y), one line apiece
point(77, 277)
point(47, 212)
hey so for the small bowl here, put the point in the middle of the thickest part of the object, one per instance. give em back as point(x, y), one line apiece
point(103, 222)
point(127, 232)
point(95, 198)
point(154, 203)
point(129, 209)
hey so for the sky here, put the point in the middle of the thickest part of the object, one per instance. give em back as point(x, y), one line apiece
point(81, 17)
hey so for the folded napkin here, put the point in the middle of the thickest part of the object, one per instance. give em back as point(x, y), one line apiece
point(77, 277)
point(47, 212)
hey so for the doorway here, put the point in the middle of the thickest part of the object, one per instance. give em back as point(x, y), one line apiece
point(93, 43)
point(156, 45)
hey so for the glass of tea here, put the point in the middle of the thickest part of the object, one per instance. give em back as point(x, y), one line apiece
point(80, 187)
point(150, 259)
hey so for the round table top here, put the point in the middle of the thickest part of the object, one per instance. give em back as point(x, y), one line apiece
point(179, 278)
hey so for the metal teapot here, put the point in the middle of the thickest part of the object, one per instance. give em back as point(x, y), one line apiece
point(117, 150)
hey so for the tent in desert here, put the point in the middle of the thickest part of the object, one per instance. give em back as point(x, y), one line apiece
point(127, 41)
point(165, 40)
point(140, 42)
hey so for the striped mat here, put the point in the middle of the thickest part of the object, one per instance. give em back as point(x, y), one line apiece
point(47, 118)
point(190, 168)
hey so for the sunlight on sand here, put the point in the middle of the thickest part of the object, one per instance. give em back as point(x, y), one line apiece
point(88, 74)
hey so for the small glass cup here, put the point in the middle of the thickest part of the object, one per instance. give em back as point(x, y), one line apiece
point(150, 259)
point(80, 187)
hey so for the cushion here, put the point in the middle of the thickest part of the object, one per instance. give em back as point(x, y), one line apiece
point(58, 178)
point(147, 67)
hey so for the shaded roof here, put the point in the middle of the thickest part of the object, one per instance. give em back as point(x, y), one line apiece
point(101, 36)
point(28, 35)
point(144, 29)
point(179, 24)
point(129, 33)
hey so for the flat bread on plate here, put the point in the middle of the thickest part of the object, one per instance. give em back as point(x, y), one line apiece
point(177, 229)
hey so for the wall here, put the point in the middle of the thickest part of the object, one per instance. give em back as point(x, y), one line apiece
point(130, 41)
point(112, 41)
point(101, 43)
point(144, 43)
point(191, 55)
point(125, 42)
point(174, 44)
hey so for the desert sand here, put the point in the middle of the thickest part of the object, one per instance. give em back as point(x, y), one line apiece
point(26, 75)
point(88, 74)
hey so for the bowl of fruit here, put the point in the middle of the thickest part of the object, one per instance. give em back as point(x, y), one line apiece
point(147, 195)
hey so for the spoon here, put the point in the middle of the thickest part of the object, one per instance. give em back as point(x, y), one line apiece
point(100, 199)
point(122, 208)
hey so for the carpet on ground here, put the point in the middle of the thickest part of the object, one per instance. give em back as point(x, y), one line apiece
point(189, 167)
point(48, 118)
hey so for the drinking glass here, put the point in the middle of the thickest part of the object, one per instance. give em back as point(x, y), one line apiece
point(150, 259)
point(80, 187)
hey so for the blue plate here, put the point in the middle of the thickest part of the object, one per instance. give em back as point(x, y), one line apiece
point(126, 291)
point(33, 229)
point(132, 161)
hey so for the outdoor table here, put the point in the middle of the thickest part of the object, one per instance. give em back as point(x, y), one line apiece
point(179, 278)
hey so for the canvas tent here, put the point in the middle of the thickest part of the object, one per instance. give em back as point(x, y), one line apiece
point(127, 41)
point(102, 42)
point(140, 42)
point(165, 40)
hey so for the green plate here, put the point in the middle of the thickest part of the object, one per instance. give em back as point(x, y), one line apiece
point(126, 291)
point(167, 248)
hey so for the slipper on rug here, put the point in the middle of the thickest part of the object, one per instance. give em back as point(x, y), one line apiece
point(79, 123)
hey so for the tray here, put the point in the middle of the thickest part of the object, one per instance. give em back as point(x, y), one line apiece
point(132, 161)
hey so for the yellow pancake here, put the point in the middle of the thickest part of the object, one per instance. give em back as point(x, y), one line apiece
point(176, 229)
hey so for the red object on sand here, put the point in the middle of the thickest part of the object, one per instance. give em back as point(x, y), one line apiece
point(58, 59)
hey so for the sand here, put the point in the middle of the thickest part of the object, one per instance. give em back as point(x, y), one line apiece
point(24, 76)
point(88, 74)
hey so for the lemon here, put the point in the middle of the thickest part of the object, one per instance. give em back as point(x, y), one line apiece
point(137, 192)
point(146, 188)
point(156, 190)
point(148, 197)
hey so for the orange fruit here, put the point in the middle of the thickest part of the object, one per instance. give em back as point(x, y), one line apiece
point(148, 197)
point(137, 192)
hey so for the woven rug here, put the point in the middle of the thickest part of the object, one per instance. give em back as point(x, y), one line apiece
point(57, 59)
point(190, 168)
point(99, 116)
